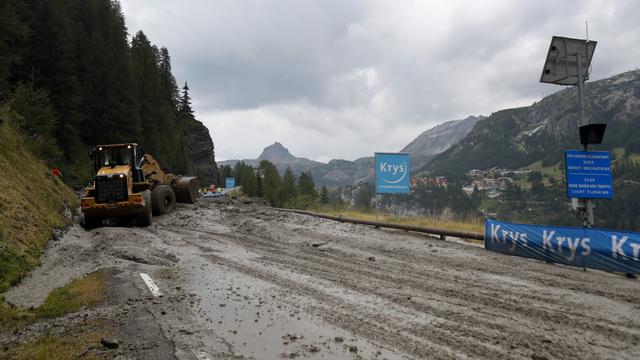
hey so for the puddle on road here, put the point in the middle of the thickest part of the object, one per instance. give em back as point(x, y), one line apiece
point(248, 314)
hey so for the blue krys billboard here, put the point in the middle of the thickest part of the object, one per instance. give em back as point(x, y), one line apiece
point(609, 250)
point(588, 174)
point(392, 173)
point(229, 182)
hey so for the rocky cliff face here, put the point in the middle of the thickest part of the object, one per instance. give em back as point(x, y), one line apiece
point(438, 139)
point(201, 152)
point(276, 153)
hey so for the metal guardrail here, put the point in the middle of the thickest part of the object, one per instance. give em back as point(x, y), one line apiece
point(421, 229)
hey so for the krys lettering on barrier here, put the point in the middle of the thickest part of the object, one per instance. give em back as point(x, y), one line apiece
point(609, 250)
point(392, 173)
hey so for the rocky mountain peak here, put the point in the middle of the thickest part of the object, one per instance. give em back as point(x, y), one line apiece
point(276, 153)
point(438, 139)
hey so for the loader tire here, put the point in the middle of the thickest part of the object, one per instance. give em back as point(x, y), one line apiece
point(90, 222)
point(163, 199)
point(146, 216)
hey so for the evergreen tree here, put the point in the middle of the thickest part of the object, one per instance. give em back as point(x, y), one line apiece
point(324, 195)
point(245, 177)
point(155, 112)
point(288, 190)
point(100, 88)
point(38, 118)
point(169, 84)
point(13, 32)
point(306, 185)
point(224, 172)
point(259, 187)
point(185, 101)
point(51, 61)
point(272, 182)
point(537, 186)
point(363, 197)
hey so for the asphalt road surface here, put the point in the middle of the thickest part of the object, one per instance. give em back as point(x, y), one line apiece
point(231, 279)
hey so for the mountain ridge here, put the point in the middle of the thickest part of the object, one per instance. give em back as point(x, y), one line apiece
point(340, 172)
point(516, 138)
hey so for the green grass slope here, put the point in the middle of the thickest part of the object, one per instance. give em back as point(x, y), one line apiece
point(32, 203)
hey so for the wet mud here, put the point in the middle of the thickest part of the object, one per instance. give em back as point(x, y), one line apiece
point(240, 280)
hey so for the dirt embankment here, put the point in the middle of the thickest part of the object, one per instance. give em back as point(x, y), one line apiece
point(239, 280)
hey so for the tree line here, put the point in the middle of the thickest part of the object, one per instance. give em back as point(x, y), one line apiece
point(265, 182)
point(72, 79)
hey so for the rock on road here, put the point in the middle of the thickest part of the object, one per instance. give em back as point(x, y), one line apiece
point(236, 280)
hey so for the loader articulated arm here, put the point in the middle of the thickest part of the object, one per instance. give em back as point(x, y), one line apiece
point(185, 188)
point(152, 171)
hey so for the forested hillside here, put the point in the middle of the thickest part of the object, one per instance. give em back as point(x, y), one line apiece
point(69, 71)
point(515, 138)
point(534, 138)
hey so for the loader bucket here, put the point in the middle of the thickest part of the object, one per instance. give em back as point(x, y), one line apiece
point(186, 189)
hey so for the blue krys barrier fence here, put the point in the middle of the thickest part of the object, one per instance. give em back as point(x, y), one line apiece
point(608, 250)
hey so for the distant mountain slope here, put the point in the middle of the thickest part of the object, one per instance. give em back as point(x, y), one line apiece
point(280, 157)
point(515, 138)
point(438, 139)
point(338, 173)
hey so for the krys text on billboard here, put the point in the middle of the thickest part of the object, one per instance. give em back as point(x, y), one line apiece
point(392, 173)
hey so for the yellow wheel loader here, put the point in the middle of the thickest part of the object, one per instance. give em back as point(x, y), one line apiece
point(130, 184)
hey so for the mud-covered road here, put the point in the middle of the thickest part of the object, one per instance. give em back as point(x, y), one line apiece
point(240, 280)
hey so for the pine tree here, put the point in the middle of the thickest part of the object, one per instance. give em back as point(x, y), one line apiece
point(103, 89)
point(155, 112)
point(169, 84)
point(306, 185)
point(185, 101)
point(324, 195)
point(38, 118)
point(363, 197)
point(272, 182)
point(13, 32)
point(224, 172)
point(288, 189)
point(259, 187)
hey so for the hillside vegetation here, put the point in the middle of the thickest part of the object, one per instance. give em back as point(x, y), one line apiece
point(535, 137)
point(32, 202)
point(516, 138)
point(74, 58)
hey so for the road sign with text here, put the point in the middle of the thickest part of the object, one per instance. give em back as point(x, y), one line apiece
point(589, 174)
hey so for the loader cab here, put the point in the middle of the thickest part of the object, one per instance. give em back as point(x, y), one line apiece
point(120, 154)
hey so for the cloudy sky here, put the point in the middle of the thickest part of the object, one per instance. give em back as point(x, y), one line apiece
point(343, 79)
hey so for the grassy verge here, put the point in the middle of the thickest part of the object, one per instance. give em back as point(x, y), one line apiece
point(31, 205)
point(83, 292)
point(471, 224)
point(74, 345)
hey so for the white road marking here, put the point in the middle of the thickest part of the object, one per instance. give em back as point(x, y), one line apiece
point(155, 290)
point(201, 355)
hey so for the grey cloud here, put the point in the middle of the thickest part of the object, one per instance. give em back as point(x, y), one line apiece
point(365, 67)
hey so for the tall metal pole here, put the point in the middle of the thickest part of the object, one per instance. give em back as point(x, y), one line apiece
point(581, 92)
point(588, 202)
